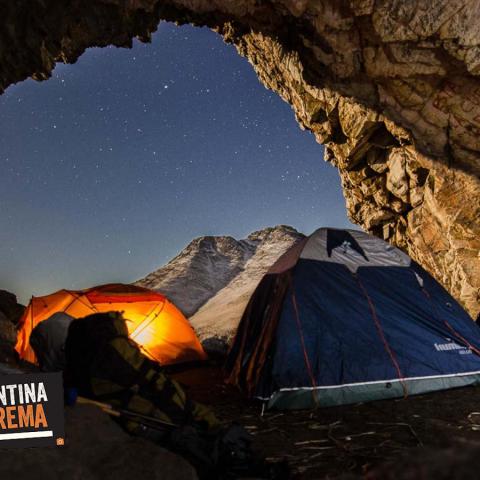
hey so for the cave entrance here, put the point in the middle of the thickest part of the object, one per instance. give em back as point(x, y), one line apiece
point(118, 161)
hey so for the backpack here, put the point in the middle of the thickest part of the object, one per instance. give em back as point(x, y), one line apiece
point(48, 341)
point(104, 364)
point(87, 338)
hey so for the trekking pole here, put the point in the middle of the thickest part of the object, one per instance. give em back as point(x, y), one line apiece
point(114, 412)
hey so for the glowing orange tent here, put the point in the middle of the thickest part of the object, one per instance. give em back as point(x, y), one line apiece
point(153, 322)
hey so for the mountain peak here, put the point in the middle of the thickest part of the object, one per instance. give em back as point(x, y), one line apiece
point(261, 235)
point(209, 263)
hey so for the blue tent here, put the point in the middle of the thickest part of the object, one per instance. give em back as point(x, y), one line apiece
point(344, 317)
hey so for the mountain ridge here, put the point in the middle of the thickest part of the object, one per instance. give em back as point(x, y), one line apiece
point(209, 263)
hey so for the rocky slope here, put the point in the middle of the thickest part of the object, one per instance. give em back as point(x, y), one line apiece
point(216, 322)
point(199, 271)
point(391, 87)
point(208, 264)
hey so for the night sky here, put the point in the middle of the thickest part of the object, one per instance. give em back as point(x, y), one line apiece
point(113, 165)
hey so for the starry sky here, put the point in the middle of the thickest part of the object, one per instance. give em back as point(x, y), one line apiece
point(113, 165)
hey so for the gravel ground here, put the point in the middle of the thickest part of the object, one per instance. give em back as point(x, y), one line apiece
point(356, 440)
point(434, 436)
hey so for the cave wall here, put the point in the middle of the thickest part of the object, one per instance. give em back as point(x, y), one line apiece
point(390, 87)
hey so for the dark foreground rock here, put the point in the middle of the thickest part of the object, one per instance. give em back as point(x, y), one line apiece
point(10, 307)
point(8, 332)
point(96, 448)
point(458, 463)
point(10, 313)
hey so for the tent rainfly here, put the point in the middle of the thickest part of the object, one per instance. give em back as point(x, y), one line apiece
point(154, 323)
point(344, 317)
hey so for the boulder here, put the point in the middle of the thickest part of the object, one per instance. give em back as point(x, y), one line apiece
point(8, 332)
point(9, 306)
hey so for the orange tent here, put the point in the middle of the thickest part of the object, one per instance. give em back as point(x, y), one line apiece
point(153, 322)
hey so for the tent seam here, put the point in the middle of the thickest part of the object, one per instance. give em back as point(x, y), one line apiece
point(382, 334)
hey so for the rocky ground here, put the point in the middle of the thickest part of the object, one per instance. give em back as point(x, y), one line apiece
point(96, 448)
point(434, 436)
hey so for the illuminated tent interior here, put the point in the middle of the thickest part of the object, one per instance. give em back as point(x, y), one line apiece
point(161, 330)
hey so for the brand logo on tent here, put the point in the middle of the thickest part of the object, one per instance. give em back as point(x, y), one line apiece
point(31, 410)
point(451, 346)
point(345, 240)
